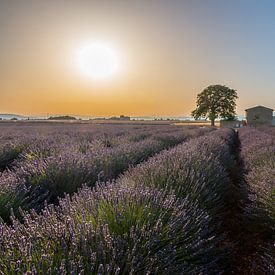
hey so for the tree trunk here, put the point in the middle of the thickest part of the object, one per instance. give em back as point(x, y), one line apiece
point(212, 122)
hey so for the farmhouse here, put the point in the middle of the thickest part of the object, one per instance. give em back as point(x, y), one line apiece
point(259, 116)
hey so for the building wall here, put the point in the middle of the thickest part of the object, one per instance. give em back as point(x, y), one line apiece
point(273, 121)
point(259, 117)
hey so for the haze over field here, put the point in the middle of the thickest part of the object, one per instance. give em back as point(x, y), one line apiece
point(155, 56)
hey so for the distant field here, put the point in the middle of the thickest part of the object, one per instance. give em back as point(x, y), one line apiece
point(94, 121)
point(113, 197)
point(107, 121)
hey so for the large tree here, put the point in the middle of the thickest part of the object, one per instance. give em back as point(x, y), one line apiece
point(216, 101)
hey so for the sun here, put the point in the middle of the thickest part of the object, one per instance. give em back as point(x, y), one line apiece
point(98, 60)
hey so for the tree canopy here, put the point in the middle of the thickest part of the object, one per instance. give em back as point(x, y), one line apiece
point(216, 101)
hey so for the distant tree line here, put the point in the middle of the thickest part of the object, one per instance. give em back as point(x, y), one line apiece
point(61, 118)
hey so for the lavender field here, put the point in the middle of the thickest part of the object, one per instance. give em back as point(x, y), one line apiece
point(136, 199)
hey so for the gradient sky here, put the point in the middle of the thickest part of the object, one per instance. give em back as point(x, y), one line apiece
point(170, 51)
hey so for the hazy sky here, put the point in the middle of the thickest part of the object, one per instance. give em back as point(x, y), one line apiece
point(169, 50)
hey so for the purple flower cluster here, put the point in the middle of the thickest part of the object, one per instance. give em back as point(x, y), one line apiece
point(258, 154)
point(162, 216)
point(58, 163)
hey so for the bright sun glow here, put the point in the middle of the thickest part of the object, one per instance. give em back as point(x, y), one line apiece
point(98, 60)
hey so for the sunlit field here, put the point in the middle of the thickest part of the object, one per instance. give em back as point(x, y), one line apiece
point(135, 199)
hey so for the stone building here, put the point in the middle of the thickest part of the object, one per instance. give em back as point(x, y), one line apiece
point(259, 116)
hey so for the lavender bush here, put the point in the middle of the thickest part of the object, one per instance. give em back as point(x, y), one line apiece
point(12, 196)
point(197, 169)
point(111, 230)
point(9, 152)
point(258, 153)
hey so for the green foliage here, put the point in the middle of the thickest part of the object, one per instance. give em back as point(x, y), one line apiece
point(8, 154)
point(10, 203)
point(216, 101)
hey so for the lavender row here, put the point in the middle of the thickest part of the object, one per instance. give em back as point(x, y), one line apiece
point(200, 172)
point(113, 230)
point(160, 217)
point(258, 154)
point(43, 176)
point(47, 139)
point(197, 169)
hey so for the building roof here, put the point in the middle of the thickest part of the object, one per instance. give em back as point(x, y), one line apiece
point(259, 106)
